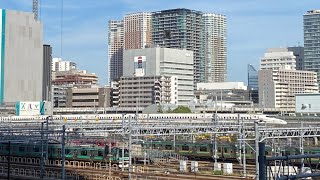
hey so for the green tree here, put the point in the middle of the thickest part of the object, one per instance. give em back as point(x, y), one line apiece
point(181, 109)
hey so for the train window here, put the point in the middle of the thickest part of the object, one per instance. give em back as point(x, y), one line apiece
point(100, 153)
point(36, 149)
point(203, 149)
point(185, 148)
point(84, 153)
point(219, 150)
point(67, 151)
point(225, 150)
point(21, 148)
point(168, 147)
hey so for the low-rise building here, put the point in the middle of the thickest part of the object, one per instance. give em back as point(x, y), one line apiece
point(74, 77)
point(144, 91)
point(234, 93)
point(277, 88)
point(88, 97)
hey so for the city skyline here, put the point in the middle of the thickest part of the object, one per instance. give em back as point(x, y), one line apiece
point(253, 26)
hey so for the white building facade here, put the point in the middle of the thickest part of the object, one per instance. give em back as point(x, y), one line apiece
point(60, 65)
point(163, 62)
point(215, 47)
point(278, 58)
point(277, 88)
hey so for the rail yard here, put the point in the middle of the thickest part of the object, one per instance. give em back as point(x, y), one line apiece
point(148, 146)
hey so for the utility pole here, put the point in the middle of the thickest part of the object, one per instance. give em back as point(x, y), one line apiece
point(35, 9)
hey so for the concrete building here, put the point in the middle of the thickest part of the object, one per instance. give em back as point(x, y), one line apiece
point(88, 97)
point(21, 57)
point(298, 52)
point(180, 29)
point(137, 30)
point(221, 85)
point(60, 65)
point(47, 60)
point(277, 88)
point(311, 29)
point(214, 47)
point(167, 62)
point(278, 58)
point(60, 95)
point(227, 93)
point(308, 103)
point(115, 49)
point(79, 78)
point(143, 91)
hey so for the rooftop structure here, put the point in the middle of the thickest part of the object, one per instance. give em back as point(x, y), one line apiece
point(222, 85)
point(74, 78)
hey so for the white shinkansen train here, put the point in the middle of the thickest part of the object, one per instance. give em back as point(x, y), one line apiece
point(179, 117)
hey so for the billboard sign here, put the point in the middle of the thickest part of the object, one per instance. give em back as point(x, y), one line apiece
point(29, 108)
point(139, 65)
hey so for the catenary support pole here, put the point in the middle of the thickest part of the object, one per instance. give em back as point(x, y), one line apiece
point(256, 128)
point(262, 161)
point(63, 152)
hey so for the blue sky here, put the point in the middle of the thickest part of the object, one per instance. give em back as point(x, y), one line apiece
point(252, 26)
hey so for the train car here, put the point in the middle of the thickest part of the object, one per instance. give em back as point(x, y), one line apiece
point(181, 117)
point(79, 153)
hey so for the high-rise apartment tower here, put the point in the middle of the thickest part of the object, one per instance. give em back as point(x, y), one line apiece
point(115, 49)
point(137, 30)
point(180, 29)
point(214, 47)
point(311, 21)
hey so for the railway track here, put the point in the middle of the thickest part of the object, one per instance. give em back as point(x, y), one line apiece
point(91, 173)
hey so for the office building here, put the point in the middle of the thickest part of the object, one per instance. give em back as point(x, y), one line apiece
point(167, 62)
point(298, 52)
point(60, 65)
point(252, 78)
point(142, 91)
point(137, 30)
point(214, 47)
point(277, 88)
point(180, 29)
point(21, 57)
point(278, 58)
point(115, 50)
point(311, 29)
point(47, 61)
point(88, 97)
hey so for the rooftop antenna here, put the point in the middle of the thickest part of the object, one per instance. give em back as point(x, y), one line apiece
point(35, 9)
